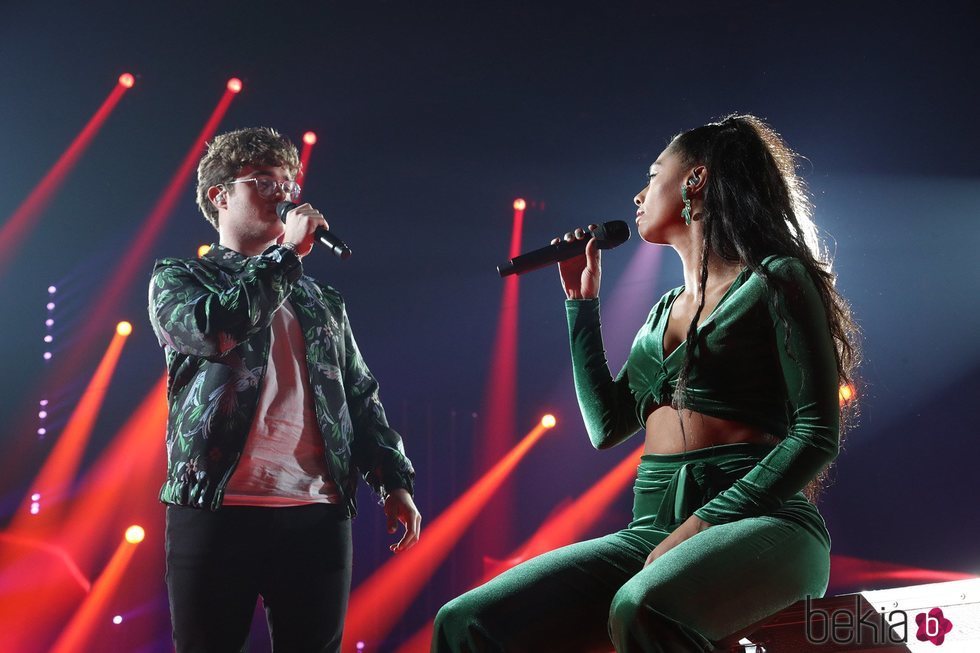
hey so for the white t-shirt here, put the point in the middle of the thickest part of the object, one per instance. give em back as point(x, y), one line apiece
point(283, 462)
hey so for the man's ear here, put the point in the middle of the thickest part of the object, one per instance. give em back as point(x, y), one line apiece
point(218, 195)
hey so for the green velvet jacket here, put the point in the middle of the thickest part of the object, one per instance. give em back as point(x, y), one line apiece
point(765, 357)
point(211, 316)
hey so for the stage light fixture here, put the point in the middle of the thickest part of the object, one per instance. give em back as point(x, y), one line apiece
point(52, 290)
point(49, 322)
point(519, 204)
point(235, 85)
point(549, 421)
point(47, 355)
point(127, 80)
point(135, 534)
point(309, 138)
point(117, 619)
point(124, 328)
point(50, 306)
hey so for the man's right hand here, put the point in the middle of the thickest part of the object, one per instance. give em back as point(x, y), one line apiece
point(580, 276)
point(301, 222)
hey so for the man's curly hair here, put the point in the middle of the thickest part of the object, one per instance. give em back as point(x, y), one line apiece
point(228, 153)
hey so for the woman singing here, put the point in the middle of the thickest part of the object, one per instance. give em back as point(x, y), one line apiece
point(735, 378)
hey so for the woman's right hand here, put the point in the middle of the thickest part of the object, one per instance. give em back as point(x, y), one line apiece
point(580, 275)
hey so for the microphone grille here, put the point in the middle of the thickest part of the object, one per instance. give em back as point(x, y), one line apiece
point(282, 208)
point(612, 233)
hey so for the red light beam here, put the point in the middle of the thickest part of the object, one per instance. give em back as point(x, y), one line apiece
point(129, 268)
point(309, 140)
point(847, 572)
point(16, 227)
point(420, 642)
point(76, 635)
point(500, 405)
point(573, 521)
point(116, 484)
point(60, 468)
point(374, 608)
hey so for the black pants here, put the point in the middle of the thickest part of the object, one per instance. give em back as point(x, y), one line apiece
point(298, 559)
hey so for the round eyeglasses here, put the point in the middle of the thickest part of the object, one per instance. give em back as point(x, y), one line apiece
point(267, 187)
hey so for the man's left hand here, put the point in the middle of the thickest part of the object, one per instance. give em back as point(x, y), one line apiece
point(399, 507)
point(691, 527)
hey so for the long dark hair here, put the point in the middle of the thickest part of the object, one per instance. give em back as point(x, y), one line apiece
point(756, 205)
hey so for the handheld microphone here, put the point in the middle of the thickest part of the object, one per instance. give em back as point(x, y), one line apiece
point(608, 235)
point(331, 241)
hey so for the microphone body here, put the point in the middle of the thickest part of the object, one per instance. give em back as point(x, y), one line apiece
point(328, 238)
point(608, 235)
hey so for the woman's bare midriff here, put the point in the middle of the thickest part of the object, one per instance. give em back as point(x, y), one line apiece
point(664, 434)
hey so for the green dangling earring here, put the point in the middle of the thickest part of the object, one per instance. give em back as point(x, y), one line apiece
point(686, 213)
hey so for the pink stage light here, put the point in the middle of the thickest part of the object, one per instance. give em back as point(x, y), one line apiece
point(234, 85)
point(126, 80)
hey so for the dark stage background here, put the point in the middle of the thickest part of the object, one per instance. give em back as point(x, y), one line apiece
point(432, 117)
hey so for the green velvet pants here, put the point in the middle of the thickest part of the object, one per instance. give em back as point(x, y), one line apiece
point(596, 595)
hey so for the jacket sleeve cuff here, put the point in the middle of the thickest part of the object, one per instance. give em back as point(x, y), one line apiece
point(292, 266)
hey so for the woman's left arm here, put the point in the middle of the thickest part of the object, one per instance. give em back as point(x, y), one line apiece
point(809, 366)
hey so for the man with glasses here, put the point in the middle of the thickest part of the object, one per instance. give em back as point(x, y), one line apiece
point(273, 414)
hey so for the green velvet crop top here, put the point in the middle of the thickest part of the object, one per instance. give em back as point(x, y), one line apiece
point(765, 358)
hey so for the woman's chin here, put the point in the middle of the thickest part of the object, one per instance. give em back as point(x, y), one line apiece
point(650, 235)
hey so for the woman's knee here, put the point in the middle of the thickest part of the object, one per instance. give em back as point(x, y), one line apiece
point(625, 612)
point(639, 621)
point(458, 626)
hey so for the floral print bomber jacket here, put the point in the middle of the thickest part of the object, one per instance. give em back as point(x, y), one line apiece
point(212, 316)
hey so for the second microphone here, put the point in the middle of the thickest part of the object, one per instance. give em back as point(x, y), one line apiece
point(608, 235)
